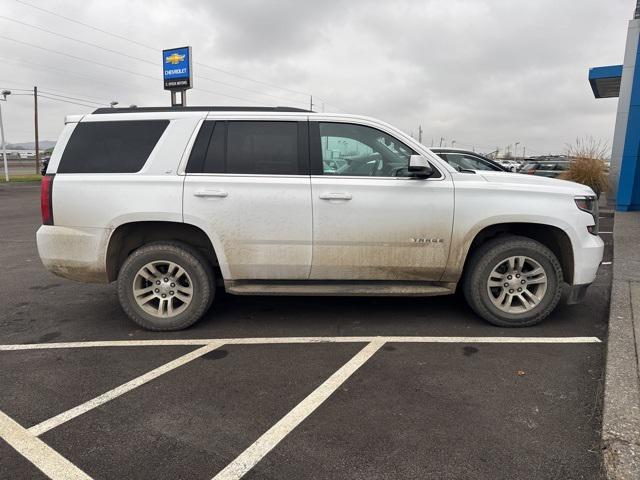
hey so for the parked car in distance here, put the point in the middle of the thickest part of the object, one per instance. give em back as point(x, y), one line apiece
point(510, 165)
point(545, 168)
point(467, 160)
point(172, 203)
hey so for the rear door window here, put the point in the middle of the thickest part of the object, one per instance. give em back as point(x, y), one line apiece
point(262, 148)
point(111, 147)
point(250, 147)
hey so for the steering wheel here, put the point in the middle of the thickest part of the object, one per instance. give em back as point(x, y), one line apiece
point(376, 166)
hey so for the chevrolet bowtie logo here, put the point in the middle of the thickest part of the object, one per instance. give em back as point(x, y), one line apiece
point(174, 58)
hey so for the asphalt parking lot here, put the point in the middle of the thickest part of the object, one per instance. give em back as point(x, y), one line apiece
point(289, 387)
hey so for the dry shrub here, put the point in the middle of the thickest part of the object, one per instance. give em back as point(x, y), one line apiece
point(588, 164)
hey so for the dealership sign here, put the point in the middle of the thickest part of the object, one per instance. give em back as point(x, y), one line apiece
point(176, 67)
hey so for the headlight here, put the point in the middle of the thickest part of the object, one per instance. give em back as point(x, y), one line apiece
point(589, 204)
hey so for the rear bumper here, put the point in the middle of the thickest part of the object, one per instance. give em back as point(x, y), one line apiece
point(74, 253)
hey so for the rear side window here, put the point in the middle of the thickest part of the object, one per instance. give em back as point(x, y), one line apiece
point(111, 147)
point(248, 147)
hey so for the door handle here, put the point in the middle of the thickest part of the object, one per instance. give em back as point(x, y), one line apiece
point(335, 196)
point(210, 193)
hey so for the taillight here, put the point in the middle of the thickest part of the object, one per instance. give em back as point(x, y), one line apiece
point(46, 204)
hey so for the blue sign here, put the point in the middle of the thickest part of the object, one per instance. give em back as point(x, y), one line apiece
point(176, 68)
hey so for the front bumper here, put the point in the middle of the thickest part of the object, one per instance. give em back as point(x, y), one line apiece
point(587, 258)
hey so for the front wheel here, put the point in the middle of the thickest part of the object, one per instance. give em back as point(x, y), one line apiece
point(165, 286)
point(513, 281)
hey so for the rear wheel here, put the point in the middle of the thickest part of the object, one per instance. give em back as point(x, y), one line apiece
point(166, 286)
point(513, 281)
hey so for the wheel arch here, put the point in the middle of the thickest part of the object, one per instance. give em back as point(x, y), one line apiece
point(130, 236)
point(554, 238)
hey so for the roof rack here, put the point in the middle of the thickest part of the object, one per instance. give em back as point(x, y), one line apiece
point(199, 109)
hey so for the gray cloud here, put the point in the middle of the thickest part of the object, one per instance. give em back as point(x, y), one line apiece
point(483, 72)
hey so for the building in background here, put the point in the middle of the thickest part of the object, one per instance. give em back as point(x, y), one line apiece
point(623, 81)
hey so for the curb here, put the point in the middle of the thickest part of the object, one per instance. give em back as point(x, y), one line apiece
point(621, 412)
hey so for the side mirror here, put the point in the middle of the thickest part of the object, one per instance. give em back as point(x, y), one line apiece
point(420, 167)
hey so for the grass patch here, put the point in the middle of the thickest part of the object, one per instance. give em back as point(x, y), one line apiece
point(21, 178)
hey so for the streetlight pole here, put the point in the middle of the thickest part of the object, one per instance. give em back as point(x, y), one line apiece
point(35, 124)
point(4, 145)
point(515, 151)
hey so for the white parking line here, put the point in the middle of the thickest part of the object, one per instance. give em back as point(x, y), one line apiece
point(50, 462)
point(278, 340)
point(53, 422)
point(25, 441)
point(252, 455)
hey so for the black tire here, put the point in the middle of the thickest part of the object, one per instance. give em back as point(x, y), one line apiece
point(195, 265)
point(483, 261)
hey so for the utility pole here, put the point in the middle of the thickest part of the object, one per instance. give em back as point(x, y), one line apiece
point(420, 133)
point(35, 121)
point(311, 102)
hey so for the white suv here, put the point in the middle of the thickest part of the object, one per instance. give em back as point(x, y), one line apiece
point(171, 202)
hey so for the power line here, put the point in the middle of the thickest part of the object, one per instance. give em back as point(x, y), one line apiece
point(37, 66)
point(251, 79)
point(17, 89)
point(67, 72)
point(76, 57)
point(65, 101)
point(119, 53)
point(30, 92)
point(50, 98)
point(112, 67)
point(83, 24)
point(72, 98)
point(121, 37)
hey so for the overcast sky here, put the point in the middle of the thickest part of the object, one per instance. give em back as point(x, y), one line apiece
point(485, 73)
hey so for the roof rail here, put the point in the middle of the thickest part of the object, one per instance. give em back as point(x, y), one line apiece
point(199, 109)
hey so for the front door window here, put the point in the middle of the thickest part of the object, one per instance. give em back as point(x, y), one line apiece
point(359, 151)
